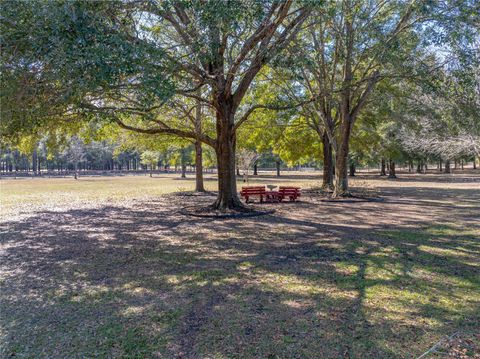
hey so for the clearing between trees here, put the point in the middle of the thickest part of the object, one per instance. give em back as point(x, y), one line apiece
point(386, 278)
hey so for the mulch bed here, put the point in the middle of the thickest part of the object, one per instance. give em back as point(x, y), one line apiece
point(209, 212)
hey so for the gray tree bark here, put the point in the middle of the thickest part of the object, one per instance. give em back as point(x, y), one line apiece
point(391, 169)
point(328, 173)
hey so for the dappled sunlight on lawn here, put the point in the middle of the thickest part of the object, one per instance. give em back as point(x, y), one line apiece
point(314, 279)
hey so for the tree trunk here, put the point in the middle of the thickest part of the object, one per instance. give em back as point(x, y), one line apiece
point(255, 169)
point(151, 170)
point(352, 170)
point(419, 167)
point(199, 187)
point(227, 197)
point(474, 163)
point(462, 164)
point(34, 161)
point(391, 171)
point(447, 166)
point(382, 169)
point(440, 163)
point(348, 111)
point(75, 169)
point(183, 162)
point(341, 179)
point(277, 164)
point(327, 162)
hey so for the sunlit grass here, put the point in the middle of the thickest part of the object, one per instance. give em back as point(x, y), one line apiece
point(26, 195)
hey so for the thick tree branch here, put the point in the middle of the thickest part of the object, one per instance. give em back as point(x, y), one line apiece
point(269, 107)
point(265, 52)
point(252, 42)
point(363, 97)
point(166, 130)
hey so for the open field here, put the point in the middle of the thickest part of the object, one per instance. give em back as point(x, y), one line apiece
point(109, 268)
point(26, 195)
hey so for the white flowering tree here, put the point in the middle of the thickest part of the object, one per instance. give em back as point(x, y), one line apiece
point(245, 160)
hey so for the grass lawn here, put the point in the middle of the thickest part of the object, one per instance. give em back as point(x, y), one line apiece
point(26, 195)
point(109, 268)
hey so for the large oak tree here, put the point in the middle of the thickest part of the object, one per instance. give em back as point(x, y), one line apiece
point(123, 61)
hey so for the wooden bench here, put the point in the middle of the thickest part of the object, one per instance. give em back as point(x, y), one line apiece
point(289, 192)
point(251, 191)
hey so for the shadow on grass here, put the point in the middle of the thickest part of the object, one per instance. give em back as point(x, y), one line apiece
point(149, 282)
point(467, 176)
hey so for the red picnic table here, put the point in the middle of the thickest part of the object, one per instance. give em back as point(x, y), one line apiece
point(270, 196)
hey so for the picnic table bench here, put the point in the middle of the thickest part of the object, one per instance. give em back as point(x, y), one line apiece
point(289, 192)
point(251, 191)
point(284, 192)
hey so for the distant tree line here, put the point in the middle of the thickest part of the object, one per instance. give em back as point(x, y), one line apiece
point(80, 156)
point(92, 156)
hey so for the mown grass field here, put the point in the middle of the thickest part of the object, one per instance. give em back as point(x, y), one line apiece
point(26, 195)
point(110, 268)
